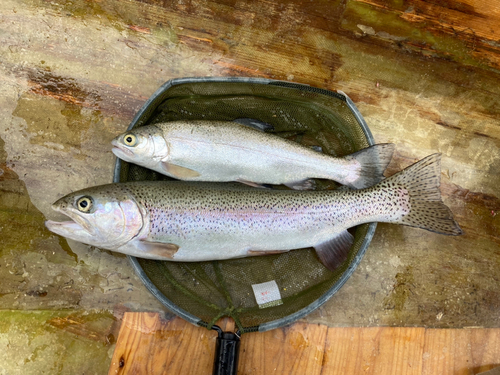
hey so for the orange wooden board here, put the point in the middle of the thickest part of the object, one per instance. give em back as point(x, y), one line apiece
point(149, 345)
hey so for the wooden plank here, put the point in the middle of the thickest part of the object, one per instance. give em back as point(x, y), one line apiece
point(377, 350)
point(443, 352)
point(460, 351)
point(149, 345)
point(486, 354)
point(297, 349)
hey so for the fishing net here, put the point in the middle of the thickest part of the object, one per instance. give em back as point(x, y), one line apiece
point(203, 292)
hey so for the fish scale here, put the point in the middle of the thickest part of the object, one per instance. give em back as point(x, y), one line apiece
point(221, 151)
point(182, 221)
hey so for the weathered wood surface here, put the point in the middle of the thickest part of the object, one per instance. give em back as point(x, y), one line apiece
point(149, 345)
point(56, 342)
point(425, 76)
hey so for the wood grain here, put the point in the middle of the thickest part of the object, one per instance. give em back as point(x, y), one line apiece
point(149, 345)
point(297, 349)
point(177, 347)
point(378, 350)
point(423, 73)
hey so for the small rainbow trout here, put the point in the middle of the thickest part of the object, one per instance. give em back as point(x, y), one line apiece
point(188, 222)
point(222, 151)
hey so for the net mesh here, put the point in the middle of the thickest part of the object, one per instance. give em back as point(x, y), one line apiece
point(211, 290)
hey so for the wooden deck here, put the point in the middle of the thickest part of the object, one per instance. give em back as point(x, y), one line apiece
point(148, 345)
point(425, 74)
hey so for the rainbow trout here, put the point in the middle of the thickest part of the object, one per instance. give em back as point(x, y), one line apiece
point(188, 222)
point(222, 151)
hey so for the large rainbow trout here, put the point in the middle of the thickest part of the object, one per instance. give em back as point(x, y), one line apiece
point(190, 222)
point(222, 151)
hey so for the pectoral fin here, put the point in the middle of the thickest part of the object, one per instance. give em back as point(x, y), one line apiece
point(160, 249)
point(176, 171)
point(333, 252)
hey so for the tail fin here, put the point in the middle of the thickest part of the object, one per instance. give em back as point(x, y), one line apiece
point(373, 162)
point(427, 210)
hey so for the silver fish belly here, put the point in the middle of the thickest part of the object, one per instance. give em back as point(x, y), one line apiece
point(222, 151)
point(180, 221)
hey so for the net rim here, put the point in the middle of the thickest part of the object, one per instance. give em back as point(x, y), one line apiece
point(138, 118)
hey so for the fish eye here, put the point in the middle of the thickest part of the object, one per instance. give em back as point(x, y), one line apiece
point(130, 139)
point(84, 204)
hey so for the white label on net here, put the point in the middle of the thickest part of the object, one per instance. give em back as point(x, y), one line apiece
point(267, 294)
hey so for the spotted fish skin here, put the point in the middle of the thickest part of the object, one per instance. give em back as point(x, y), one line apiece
point(181, 221)
point(222, 151)
point(231, 222)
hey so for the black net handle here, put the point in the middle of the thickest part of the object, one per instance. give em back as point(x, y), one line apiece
point(227, 351)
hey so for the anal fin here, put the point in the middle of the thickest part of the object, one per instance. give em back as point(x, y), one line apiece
point(317, 148)
point(256, 124)
point(333, 252)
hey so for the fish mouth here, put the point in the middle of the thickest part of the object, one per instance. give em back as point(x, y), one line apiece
point(63, 228)
point(71, 230)
point(76, 228)
point(120, 151)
